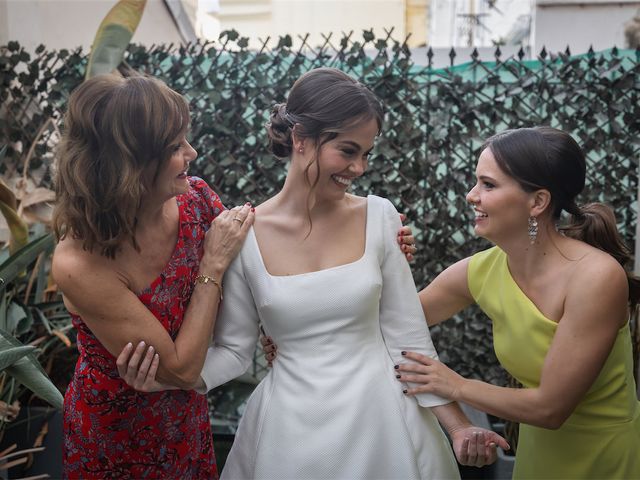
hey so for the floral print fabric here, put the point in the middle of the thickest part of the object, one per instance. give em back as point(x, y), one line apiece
point(112, 431)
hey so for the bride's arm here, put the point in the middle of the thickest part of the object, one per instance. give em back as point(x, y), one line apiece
point(402, 321)
point(236, 332)
point(228, 356)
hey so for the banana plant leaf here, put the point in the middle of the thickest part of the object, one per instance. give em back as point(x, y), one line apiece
point(16, 263)
point(12, 354)
point(9, 205)
point(18, 318)
point(28, 372)
point(17, 226)
point(113, 36)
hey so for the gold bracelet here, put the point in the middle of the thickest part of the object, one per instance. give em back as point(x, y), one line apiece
point(204, 279)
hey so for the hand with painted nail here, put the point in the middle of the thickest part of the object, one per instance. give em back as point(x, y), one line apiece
point(473, 446)
point(138, 368)
point(406, 240)
point(269, 348)
point(431, 376)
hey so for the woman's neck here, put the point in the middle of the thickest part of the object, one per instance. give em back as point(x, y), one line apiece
point(152, 215)
point(527, 260)
point(298, 200)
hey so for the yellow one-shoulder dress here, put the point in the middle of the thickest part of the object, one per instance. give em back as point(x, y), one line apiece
point(601, 439)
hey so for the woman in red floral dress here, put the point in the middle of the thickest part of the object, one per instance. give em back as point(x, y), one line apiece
point(142, 252)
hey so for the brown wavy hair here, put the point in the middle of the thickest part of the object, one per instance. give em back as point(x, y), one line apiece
point(118, 133)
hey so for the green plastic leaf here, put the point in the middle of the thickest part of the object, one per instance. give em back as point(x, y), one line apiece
point(113, 36)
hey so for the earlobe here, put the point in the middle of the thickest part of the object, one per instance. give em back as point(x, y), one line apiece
point(298, 143)
point(541, 201)
point(298, 146)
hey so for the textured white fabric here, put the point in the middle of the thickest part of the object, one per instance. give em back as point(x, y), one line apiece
point(331, 407)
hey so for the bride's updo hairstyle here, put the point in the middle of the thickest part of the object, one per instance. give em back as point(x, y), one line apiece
point(550, 159)
point(322, 103)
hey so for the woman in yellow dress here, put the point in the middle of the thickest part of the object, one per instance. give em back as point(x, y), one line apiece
point(559, 299)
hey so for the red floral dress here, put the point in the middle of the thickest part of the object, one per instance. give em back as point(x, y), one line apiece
point(112, 431)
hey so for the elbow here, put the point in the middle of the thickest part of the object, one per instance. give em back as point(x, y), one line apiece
point(547, 409)
point(185, 378)
point(187, 381)
point(551, 418)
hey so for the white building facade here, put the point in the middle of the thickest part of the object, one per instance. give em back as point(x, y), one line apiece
point(478, 23)
point(580, 24)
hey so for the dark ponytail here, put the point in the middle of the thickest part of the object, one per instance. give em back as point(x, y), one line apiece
point(595, 224)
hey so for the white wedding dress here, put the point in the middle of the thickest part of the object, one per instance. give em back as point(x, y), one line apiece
point(331, 407)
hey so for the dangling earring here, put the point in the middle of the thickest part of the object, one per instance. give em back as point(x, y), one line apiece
point(533, 230)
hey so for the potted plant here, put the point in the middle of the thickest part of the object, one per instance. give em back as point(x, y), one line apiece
point(28, 328)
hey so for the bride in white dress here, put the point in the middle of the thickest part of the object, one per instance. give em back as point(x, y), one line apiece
point(321, 271)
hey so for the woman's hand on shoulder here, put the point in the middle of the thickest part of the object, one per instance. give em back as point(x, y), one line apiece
point(225, 238)
point(407, 241)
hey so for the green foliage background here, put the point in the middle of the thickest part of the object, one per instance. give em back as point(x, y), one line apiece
point(436, 121)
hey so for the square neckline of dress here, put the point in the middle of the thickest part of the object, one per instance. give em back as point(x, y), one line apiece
point(256, 246)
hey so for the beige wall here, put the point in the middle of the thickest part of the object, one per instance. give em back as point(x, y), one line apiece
point(417, 21)
point(73, 23)
point(261, 18)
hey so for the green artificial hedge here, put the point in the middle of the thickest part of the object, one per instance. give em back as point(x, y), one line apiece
point(424, 161)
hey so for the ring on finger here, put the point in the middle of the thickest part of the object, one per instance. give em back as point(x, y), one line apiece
point(238, 219)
